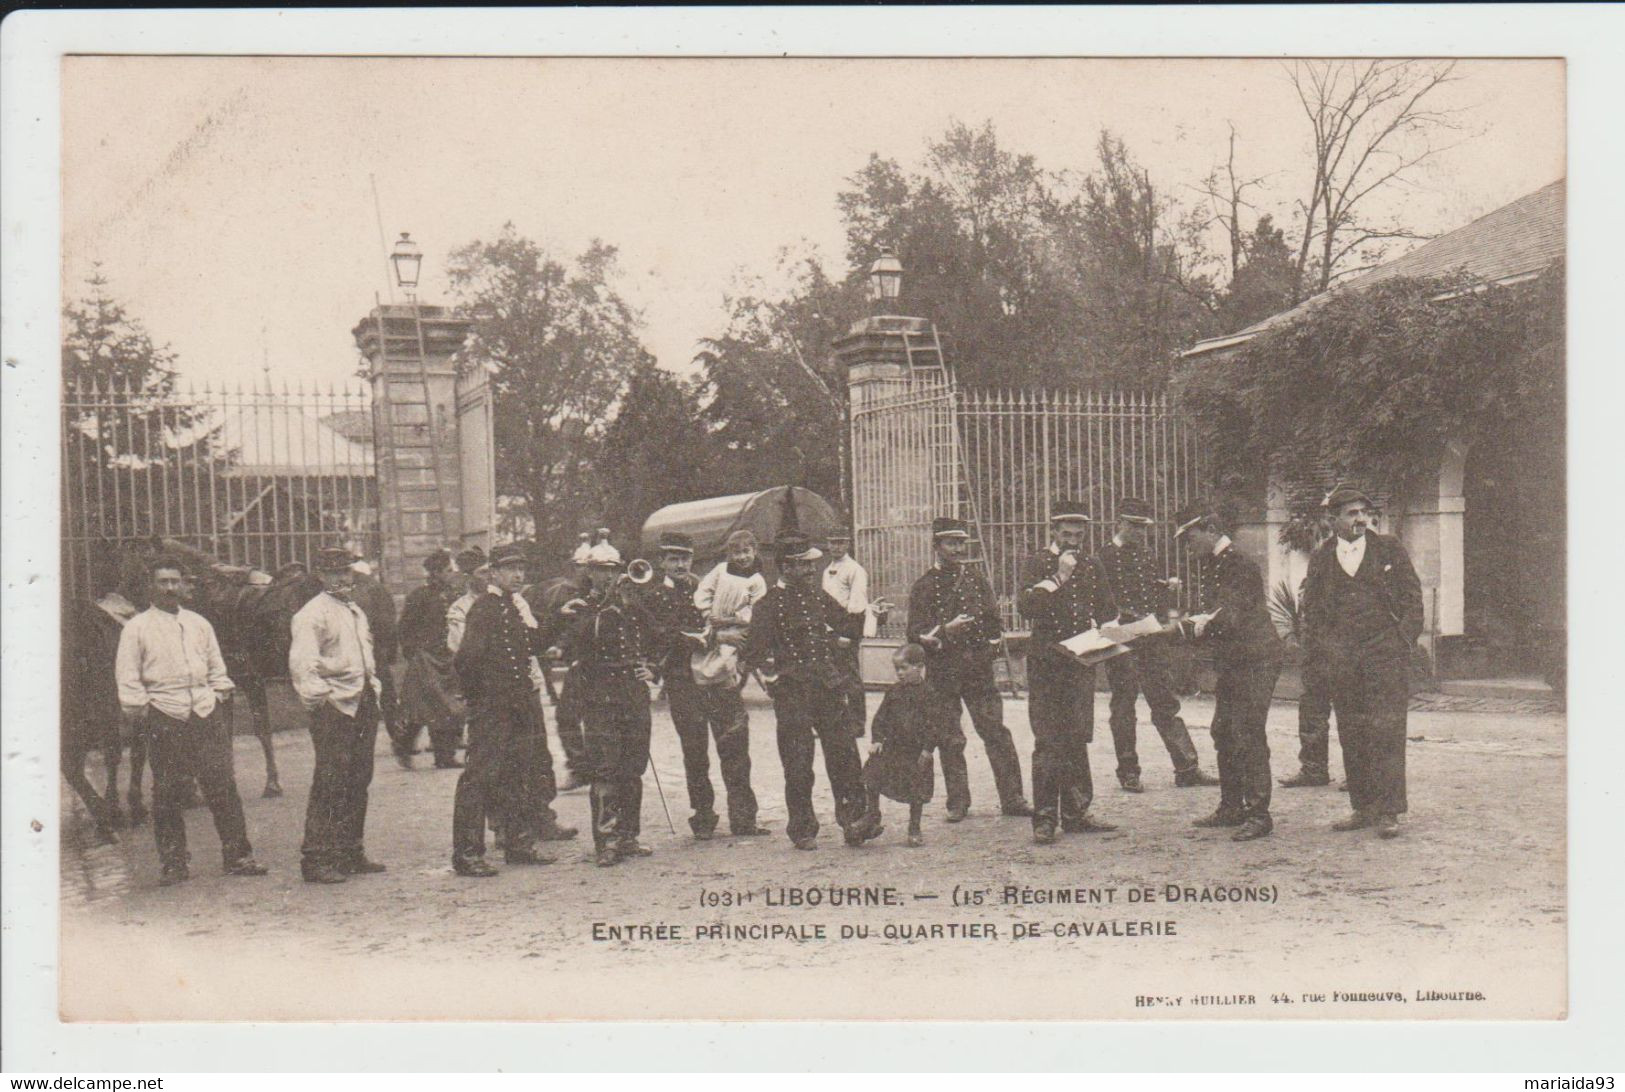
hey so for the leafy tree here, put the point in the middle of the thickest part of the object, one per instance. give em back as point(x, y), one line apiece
point(1264, 281)
point(1372, 384)
point(777, 399)
point(561, 344)
point(656, 451)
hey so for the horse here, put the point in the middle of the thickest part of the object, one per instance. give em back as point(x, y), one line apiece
point(91, 716)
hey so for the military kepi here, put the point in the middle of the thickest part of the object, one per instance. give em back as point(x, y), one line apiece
point(797, 547)
point(676, 542)
point(510, 553)
point(1345, 494)
point(332, 559)
point(1134, 510)
point(1190, 515)
point(1068, 509)
point(949, 527)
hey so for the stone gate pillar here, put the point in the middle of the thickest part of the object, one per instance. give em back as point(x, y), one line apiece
point(418, 457)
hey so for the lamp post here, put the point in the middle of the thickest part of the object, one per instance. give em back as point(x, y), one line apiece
point(885, 282)
point(407, 260)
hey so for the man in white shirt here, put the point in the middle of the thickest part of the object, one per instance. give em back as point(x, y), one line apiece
point(331, 665)
point(171, 679)
point(847, 583)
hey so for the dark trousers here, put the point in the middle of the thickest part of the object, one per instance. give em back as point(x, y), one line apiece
point(567, 722)
point(1372, 700)
point(1241, 709)
point(1061, 710)
point(336, 814)
point(507, 776)
point(702, 713)
point(615, 715)
point(181, 750)
point(857, 708)
point(808, 716)
point(1145, 670)
point(968, 679)
point(1315, 717)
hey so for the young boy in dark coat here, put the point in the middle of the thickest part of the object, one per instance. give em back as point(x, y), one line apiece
point(899, 764)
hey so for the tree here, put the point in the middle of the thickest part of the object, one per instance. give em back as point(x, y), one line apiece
point(561, 344)
point(777, 400)
point(102, 345)
point(657, 450)
point(1372, 124)
point(1264, 282)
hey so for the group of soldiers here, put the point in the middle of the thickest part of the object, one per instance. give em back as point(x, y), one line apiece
point(476, 636)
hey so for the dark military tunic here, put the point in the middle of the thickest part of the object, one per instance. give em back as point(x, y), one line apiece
point(1132, 577)
point(905, 728)
point(1061, 690)
point(509, 772)
point(792, 636)
point(960, 671)
point(429, 690)
point(1247, 653)
point(610, 642)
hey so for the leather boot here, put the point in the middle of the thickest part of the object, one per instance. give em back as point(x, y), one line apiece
point(1256, 827)
point(1193, 778)
point(1304, 779)
point(1358, 820)
point(1223, 817)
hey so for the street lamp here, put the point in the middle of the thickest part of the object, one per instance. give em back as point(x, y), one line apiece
point(885, 279)
point(407, 259)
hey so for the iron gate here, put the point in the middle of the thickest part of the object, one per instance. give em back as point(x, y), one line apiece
point(255, 478)
point(997, 459)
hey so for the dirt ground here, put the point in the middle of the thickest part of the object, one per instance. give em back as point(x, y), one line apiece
point(1468, 904)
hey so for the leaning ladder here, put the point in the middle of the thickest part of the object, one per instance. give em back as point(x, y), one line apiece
point(948, 458)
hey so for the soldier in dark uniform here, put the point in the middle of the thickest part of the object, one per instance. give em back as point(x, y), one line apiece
point(1062, 594)
point(679, 633)
point(429, 694)
point(505, 740)
point(794, 643)
point(379, 607)
point(1363, 614)
point(546, 599)
point(1136, 590)
point(610, 641)
point(951, 614)
point(1247, 652)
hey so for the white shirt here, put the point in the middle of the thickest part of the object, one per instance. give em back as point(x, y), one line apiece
point(457, 619)
point(171, 663)
point(724, 597)
point(1350, 554)
point(848, 584)
point(1221, 545)
point(330, 659)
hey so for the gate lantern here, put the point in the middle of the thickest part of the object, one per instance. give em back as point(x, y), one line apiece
point(407, 258)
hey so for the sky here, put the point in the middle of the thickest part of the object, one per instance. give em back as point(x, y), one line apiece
point(230, 200)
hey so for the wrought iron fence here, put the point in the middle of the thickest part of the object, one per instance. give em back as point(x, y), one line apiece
point(997, 459)
point(256, 478)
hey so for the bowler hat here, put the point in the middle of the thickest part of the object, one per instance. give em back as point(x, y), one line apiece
point(797, 547)
point(470, 559)
point(510, 553)
point(1068, 509)
point(1134, 510)
point(949, 527)
point(1344, 493)
point(676, 542)
point(437, 562)
point(331, 559)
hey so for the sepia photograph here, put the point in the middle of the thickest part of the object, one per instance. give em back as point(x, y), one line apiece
point(808, 538)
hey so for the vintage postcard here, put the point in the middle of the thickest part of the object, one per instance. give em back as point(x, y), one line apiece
point(573, 538)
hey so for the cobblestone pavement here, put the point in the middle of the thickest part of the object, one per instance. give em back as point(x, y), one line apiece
point(1471, 897)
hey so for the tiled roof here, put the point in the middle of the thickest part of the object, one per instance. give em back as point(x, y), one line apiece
point(1515, 240)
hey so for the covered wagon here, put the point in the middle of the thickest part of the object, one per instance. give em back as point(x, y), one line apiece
point(710, 521)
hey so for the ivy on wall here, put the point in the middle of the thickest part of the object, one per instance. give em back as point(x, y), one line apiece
point(1372, 384)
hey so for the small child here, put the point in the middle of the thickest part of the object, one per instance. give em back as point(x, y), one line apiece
point(899, 763)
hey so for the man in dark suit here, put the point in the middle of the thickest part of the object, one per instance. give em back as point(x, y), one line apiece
point(1363, 614)
point(1062, 594)
point(951, 614)
point(1137, 590)
point(1235, 621)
